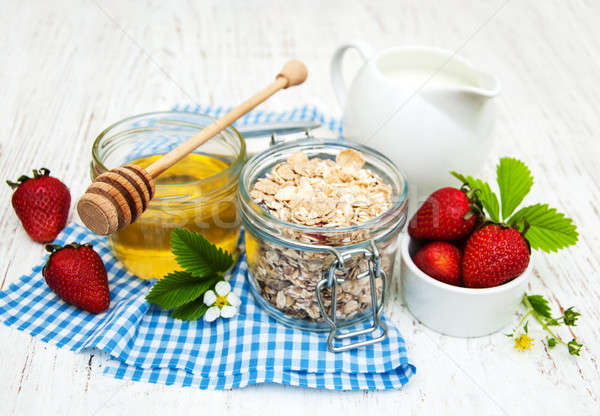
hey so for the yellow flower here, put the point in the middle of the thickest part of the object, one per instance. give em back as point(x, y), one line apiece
point(523, 342)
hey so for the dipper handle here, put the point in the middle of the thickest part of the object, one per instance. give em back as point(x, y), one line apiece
point(293, 73)
point(118, 197)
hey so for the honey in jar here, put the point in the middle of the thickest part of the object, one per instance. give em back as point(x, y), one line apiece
point(144, 246)
point(197, 193)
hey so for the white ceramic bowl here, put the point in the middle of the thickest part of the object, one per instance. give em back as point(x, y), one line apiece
point(458, 311)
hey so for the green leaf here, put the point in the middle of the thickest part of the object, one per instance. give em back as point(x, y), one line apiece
point(553, 322)
point(570, 317)
point(460, 177)
point(514, 181)
point(190, 311)
point(574, 347)
point(178, 288)
point(548, 230)
point(551, 342)
point(539, 305)
point(488, 198)
point(197, 255)
point(525, 328)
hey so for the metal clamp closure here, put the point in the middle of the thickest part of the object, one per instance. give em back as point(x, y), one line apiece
point(276, 137)
point(331, 281)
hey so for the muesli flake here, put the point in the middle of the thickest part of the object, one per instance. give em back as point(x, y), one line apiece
point(320, 193)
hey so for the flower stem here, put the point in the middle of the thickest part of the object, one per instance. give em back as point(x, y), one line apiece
point(541, 320)
point(523, 319)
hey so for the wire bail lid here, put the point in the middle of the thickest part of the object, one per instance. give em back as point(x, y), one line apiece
point(331, 281)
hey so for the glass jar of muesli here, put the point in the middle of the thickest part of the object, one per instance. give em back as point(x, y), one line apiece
point(322, 220)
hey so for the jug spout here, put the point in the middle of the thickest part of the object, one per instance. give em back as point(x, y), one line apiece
point(483, 84)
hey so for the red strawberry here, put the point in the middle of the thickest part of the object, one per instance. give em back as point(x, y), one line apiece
point(441, 261)
point(494, 255)
point(446, 215)
point(77, 275)
point(42, 204)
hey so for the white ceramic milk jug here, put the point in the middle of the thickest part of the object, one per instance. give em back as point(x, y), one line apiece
point(427, 109)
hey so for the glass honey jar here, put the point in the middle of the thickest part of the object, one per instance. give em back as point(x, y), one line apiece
point(197, 193)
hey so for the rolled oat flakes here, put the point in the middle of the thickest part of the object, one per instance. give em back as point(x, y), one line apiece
point(318, 193)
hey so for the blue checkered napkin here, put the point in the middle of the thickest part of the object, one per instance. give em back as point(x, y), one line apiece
point(304, 113)
point(145, 343)
point(162, 144)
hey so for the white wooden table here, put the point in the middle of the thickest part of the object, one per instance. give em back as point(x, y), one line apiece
point(68, 69)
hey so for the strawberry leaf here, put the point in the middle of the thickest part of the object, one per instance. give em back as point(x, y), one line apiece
point(197, 255)
point(488, 198)
point(545, 228)
point(190, 311)
point(178, 288)
point(514, 181)
point(460, 177)
point(540, 305)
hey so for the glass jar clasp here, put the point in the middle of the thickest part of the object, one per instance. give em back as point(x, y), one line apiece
point(277, 138)
point(331, 281)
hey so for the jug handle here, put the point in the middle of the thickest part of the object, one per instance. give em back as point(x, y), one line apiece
point(337, 80)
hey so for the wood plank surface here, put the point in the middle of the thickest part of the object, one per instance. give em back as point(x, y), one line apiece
point(69, 69)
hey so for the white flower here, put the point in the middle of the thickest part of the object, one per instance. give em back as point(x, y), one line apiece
point(224, 303)
point(209, 298)
point(222, 288)
point(233, 300)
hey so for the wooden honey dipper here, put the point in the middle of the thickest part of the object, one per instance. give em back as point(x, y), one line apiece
point(118, 197)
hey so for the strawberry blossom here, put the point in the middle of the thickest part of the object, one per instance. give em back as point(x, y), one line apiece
point(221, 302)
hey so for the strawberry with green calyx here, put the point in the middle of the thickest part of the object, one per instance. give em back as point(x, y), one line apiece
point(500, 249)
point(448, 214)
point(493, 255)
point(440, 260)
point(76, 273)
point(42, 204)
point(543, 227)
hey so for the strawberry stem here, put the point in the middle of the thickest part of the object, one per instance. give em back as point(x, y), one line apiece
point(53, 248)
point(41, 172)
point(526, 227)
point(476, 208)
point(541, 321)
point(523, 319)
point(37, 173)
